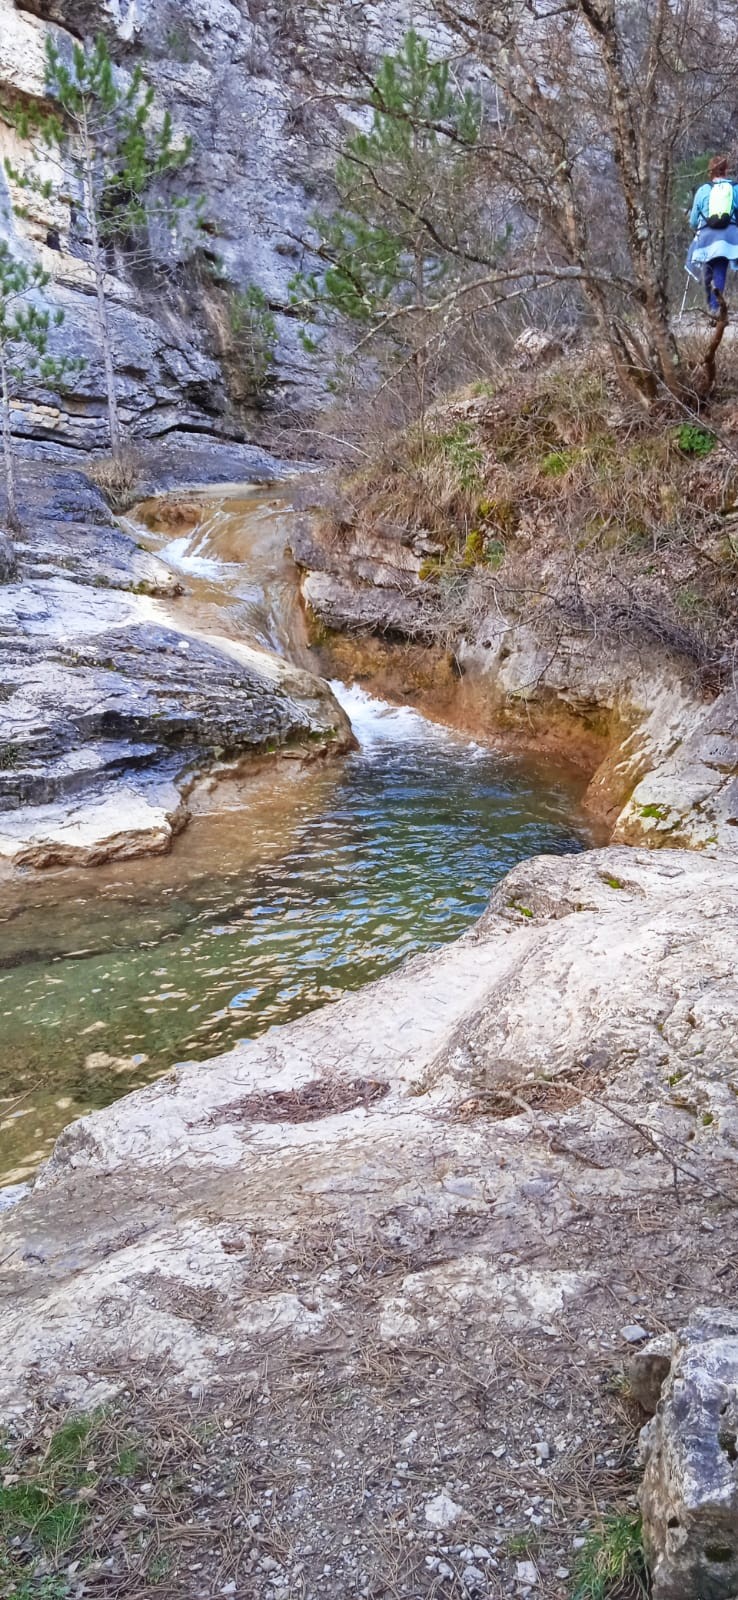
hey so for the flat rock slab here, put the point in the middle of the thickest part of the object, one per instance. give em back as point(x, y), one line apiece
point(109, 708)
point(604, 1017)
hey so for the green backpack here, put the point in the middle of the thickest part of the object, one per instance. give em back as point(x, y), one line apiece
point(720, 209)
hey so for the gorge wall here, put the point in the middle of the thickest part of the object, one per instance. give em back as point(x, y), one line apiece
point(238, 78)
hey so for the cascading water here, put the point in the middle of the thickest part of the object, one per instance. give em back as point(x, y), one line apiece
point(327, 878)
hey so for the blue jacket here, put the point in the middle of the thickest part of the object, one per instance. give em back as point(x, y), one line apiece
point(701, 206)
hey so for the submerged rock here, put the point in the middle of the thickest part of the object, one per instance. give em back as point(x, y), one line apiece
point(689, 1497)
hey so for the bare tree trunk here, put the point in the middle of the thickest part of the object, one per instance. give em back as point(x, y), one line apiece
point(98, 266)
point(12, 518)
point(421, 355)
point(654, 302)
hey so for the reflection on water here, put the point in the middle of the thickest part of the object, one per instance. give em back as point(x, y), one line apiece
point(326, 879)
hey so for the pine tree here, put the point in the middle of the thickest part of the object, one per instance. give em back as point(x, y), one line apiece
point(124, 159)
point(253, 339)
point(26, 325)
point(405, 214)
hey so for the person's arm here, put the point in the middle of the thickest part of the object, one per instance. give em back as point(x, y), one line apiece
point(695, 216)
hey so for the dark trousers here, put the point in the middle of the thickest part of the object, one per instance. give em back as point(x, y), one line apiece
point(716, 273)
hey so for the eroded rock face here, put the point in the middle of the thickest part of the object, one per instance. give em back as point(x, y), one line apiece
point(109, 708)
point(236, 76)
point(689, 1496)
point(671, 774)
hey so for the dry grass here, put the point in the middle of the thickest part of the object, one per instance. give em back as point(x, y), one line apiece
point(119, 479)
point(547, 493)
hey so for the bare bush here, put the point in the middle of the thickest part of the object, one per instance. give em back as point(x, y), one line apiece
point(118, 477)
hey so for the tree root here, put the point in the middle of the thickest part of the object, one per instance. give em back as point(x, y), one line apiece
point(705, 374)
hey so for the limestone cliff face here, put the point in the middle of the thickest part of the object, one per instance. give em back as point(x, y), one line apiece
point(236, 74)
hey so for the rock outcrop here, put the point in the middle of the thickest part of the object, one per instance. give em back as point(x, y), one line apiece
point(110, 708)
point(689, 1496)
point(667, 754)
point(440, 1204)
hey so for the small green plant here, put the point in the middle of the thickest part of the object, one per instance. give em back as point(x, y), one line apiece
point(657, 813)
point(473, 549)
point(695, 441)
point(523, 1544)
point(254, 337)
point(494, 553)
point(50, 1491)
point(159, 1567)
point(611, 881)
point(33, 1588)
point(128, 1460)
point(688, 601)
point(464, 455)
point(179, 45)
point(611, 1564)
point(557, 463)
point(524, 911)
point(46, 1504)
point(69, 1442)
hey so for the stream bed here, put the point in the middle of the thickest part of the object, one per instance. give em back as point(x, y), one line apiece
point(329, 876)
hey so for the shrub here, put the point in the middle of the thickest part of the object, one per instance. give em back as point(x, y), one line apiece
point(695, 441)
point(611, 1564)
point(119, 478)
point(254, 338)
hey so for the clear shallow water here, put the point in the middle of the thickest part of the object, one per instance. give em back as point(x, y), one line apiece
point(328, 878)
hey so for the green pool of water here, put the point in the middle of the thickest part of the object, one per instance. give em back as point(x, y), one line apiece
point(327, 880)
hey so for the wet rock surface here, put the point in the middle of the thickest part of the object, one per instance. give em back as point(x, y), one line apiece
point(689, 1496)
point(670, 776)
point(413, 1308)
point(109, 709)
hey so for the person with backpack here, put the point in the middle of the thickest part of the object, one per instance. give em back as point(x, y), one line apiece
point(714, 216)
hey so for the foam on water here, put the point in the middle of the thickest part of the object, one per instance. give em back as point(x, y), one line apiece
point(377, 722)
point(182, 554)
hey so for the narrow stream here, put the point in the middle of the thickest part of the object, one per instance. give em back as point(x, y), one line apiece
point(327, 878)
